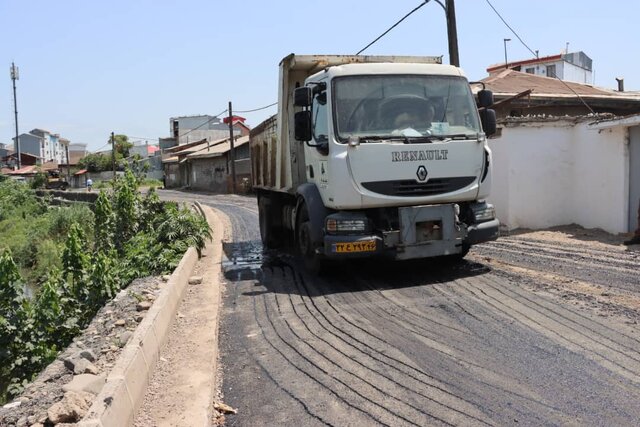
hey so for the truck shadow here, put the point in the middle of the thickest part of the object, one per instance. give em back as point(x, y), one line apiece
point(282, 272)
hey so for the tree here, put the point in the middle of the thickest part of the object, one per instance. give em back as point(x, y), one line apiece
point(96, 162)
point(122, 146)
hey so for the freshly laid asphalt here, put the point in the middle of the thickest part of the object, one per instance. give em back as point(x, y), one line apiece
point(423, 343)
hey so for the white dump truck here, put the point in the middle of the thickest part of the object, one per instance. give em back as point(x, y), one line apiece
point(374, 156)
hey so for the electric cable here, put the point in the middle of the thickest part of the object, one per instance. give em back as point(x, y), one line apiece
point(534, 54)
point(255, 109)
point(392, 27)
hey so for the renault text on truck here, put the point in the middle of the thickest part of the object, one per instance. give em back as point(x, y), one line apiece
point(374, 156)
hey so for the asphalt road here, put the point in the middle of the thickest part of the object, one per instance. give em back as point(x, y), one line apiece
point(523, 332)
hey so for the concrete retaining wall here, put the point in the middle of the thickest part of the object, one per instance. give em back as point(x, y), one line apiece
point(123, 393)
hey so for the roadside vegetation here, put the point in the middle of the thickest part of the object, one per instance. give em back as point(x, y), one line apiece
point(74, 260)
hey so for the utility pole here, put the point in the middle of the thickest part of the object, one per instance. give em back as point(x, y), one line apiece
point(452, 33)
point(68, 165)
point(15, 75)
point(113, 155)
point(232, 154)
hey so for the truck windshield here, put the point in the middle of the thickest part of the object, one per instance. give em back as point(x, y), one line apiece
point(405, 106)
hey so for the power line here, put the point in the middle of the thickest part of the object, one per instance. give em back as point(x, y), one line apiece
point(256, 109)
point(392, 27)
point(208, 121)
point(536, 55)
point(512, 30)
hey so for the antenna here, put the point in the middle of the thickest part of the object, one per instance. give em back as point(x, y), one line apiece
point(15, 75)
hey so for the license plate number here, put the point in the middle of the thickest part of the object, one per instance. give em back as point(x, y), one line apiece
point(348, 247)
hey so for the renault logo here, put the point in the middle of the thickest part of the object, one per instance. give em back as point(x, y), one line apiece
point(422, 173)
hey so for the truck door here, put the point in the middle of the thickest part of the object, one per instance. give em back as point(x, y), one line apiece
point(316, 152)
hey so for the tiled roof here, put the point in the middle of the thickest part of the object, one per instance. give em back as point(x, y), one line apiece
point(511, 82)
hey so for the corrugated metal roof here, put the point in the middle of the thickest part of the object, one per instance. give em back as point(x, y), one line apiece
point(217, 148)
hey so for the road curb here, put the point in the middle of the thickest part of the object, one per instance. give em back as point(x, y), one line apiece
point(124, 390)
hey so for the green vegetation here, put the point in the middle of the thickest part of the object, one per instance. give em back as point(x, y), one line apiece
point(97, 162)
point(78, 260)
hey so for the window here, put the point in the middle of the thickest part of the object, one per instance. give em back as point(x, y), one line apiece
point(320, 124)
point(551, 71)
point(531, 70)
point(379, 106)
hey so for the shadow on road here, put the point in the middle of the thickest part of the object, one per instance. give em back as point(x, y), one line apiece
point(248, 261)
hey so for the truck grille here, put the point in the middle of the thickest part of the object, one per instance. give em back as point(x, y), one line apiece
point(413, 188)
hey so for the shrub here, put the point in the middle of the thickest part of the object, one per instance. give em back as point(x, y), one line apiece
point(39, 180)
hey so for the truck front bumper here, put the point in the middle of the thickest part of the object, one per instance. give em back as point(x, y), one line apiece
point(483, 232)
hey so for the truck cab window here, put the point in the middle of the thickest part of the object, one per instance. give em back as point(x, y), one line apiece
point(320, 124)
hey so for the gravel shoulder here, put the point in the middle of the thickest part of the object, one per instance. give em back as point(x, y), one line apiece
point(181, 391)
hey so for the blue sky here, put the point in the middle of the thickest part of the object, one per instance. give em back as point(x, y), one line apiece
point(91, 67)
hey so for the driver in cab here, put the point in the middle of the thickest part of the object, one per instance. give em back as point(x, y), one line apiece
point(411, 116)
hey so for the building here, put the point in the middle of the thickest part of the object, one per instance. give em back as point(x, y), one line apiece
point(521, 94)
point(574, 67)
point(551, 171)
point(204, 165)
point(143, 150)
point(76, 152)
point(46, 146)
point(186, 129)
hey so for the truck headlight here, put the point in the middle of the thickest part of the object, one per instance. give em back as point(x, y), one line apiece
point(485, 213)
point(346, 225)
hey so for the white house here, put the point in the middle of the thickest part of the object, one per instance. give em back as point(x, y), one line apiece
point(551, 171)
point(574, 67)
point(45, 145)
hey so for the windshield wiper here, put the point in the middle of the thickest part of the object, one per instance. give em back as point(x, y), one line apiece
point(383, 138)
point(457, 136)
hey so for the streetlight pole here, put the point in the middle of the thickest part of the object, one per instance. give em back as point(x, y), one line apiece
point(506, 63)
point(15, 75)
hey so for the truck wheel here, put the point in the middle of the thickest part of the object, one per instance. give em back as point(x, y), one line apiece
point(270, 235)
point(459, 257)
point(313, 262)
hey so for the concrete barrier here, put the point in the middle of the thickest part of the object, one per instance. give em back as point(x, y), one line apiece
point(124, 391)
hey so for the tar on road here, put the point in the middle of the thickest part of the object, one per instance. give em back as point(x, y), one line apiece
point(519, 333)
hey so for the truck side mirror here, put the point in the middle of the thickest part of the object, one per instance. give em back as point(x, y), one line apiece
point(302, 125)
point(488, 119)
point(303, 97)
point(485, 98)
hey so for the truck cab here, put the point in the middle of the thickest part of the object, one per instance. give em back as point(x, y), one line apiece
point(386, 156)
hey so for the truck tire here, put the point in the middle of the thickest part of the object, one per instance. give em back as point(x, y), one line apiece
point(314, 263)
point(459, 257)
point(270, 234)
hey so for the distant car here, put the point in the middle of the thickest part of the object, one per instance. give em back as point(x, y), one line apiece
point(55, 181)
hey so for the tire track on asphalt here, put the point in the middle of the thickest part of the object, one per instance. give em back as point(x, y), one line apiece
point(481, 383)
point(547, 327)
point(268, 374)
point(285, 343)
point(363, 364)
point(604, 257)
point(340, 367)
point(589, 264)
point(588, 324)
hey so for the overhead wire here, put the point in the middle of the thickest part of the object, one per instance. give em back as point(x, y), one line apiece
point(392, 27)
point(536, 55)
point(256, 109)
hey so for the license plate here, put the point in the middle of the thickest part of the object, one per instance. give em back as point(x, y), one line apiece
point(348, 247)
